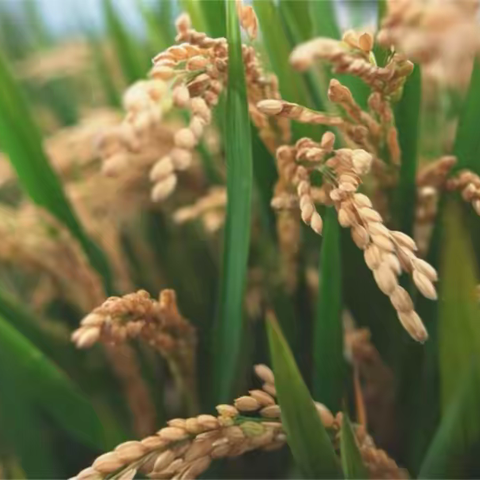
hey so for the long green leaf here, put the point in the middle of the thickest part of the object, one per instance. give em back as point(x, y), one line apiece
point(297, 16)
point(21, 139)
point(352, 463)
point(453, 452)
point(307, 437)
point(237, 229)
point(157, 38)
point(292, 85)
point(214, 14)
point(31, 327)
point(467, 140)
point(22, 433)
point(328, 379)
point(459, 313)
point(129, 54)
point(407, 113)
point(49, 387)
point(325, 22)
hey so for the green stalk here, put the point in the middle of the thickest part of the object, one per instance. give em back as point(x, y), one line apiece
point(238, 145)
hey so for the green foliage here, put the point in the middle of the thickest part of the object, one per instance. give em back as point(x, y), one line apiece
point(307, 437)
point(352, 463)
point(453, 452)
point(329, 368)
point(435, 432)
point(467, 140)
point(407, 113)
point(128, 53)
point(237, 229)
point(49, 387)
point(22, 141)
point(459, 335)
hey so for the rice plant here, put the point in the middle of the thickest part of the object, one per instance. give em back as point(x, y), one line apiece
point(241, 242)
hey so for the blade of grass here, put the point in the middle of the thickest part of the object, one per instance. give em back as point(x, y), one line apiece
point(292, 85)
point(453, 452)
point(31, 327)
point(265, 176)
point(105, 77)
point(297, 15)
point(352, 463)
point(156, 35)
point(22, 142)
point(214, 14)
point(467, 140)
point(407, 113)
point(309, 441)
point(49, 387)
point(237, 228)
point(129, 54)
point(324, 19)
point(379, 52)
point(419, 386)
point(36, 24)
point(328, 379)
point(293, 14)
point(278, 47)
point(22, 432)
point(459, 313)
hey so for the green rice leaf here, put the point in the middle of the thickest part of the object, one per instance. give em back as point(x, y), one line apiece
point(238, 145)
point(157, 37)
point(31, 327)
point(407, 113)
point(352, 463)
point(467, 140)
point(23, 432)
point(129, 54)
point(214, 14)
point(293, 14)
point(105, 77)
point(328, 379)
point(325, 22)
point(380, 52)
point(307, 437)
point(459, 312)
point(292, 85)
point(21, 140)
point(453, 452)
point(278, 47)
point(49, 387)
point(297, 16)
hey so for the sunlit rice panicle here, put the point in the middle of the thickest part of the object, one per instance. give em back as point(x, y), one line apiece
point(468, 183)
point(293, 111)
point(441, 36)
point(387, 253)
point(346, 59)
point(186, 447)
point(39, 243)
point(248, 19)
point(209, 208)
point(376, 460)
point(197, 71)
point(431, 180)
point(158, 323)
